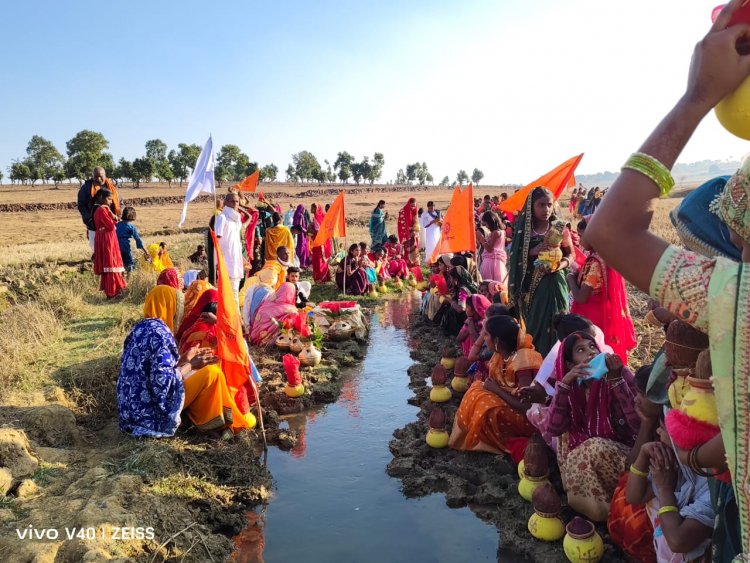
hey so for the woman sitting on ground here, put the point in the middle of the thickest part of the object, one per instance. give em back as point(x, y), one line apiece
point(397, 267)
point(272, 314)
point(476, 307)
point(170, 277)
point(198, 328)
point(156, 383)
point(491, 412)
point(595, 422)
point(453, 313)
point(351, 276)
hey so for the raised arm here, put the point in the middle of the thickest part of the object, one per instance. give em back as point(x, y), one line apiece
point(620, 226)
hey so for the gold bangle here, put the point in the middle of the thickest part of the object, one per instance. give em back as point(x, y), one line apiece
point(668, 508)
point(637, 472)
point(653, 169)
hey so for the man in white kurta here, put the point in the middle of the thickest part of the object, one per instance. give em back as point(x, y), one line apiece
point(228, 227)
point(430, 223)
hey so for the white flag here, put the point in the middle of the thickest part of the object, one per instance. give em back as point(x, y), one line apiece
point(201, 178)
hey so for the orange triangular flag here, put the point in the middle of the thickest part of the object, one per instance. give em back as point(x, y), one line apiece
point(556, 180)
point(250, 183)
point(232, 348)
point(457, 233)
point(334, 223)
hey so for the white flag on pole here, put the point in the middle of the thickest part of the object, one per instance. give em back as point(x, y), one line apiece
point(201, 178)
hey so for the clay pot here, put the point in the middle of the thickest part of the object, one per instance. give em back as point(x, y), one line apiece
point(439, 375)
point(527, 485)
point(310, 355)
point(296, 345)
point(437, 437)
point(546, 501)
point(440, 394)
point(461, 367)
point(536, 463)
point(582, 544)
point(341, 330)
point(283, 341)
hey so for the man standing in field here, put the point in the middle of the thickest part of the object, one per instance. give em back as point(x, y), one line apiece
point(86, 200)
point(228, 227)
point(431, 223)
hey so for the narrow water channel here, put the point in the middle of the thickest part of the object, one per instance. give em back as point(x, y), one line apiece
point(333, 500)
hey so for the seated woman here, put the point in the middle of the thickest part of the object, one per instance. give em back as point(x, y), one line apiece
point(351, 270)
point(272, 314)
point(397, 267)
point(170, 277)
point(453, 312)
point(195, 290)
point(679, 501)
point(256, 294)
point(156, 384)
point(368, 265)
point(476, 307)
point(431, 301)
point(490, 413)
point(596, 423)
point(198, 328)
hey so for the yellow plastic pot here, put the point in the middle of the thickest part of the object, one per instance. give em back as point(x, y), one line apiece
point(527, 485)
point(437, 438)
point(586, 547)
point(460, 384)
point(440, 394)
point(545, 527)
point(448, 363)
point(294, 392)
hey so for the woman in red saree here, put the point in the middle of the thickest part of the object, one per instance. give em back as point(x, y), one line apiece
point(408, 235)
point(196, 328)
point(397, 267)
point(107, 258)
point(600, 295)
point(320, 254)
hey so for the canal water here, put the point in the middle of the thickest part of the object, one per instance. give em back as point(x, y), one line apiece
point(333, 500)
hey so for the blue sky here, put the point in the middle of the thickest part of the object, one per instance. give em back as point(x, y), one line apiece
point(511, 87)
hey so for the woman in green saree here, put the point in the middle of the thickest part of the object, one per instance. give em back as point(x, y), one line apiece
point(713, 294)
point(537, 292)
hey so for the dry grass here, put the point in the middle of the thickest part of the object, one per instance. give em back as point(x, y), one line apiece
point(140, 282)
point(27, 329)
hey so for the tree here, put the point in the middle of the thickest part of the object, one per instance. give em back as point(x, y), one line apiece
point(58, 175)
point(291, 174)
point(143, 170)
point(343, 164)
point(329, 173)
point(85, 152)
point(400, 177)
point(124, 170)
point(445, 181)
point(476, 176)
point(156, 152)
point(43, 159)
point(19, 172)
point(376, 168)
point(1, 177)
point(361, 170)
point(422, 173)
point(306, 166)
point(462, 177)
point(183, 160)
point(269, 173)
point(232, 164)
point(411, 172)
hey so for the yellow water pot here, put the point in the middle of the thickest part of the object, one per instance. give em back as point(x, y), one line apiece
point(699, 402)
point(437, 438)
point(733, 112)
point(448, 363)
point(582, 546)
point(398, 284)
point(412, 282)
point(373, 294)
point(545, 527)
point(527, 485)
point(440, 394)
point(294, 392)
point(521, 465)
point(460, 384)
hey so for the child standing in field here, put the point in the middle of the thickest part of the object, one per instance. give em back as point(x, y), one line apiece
point(125, 231)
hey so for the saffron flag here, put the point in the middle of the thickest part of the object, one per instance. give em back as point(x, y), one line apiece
point(334, 223)
point(556, 180)
point(232, 348)
point(457, 233)
point(201, 178)
point(250, 183)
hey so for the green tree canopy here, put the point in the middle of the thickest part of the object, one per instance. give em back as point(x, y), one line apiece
point(291, 174)
point(269, 173)
point(19, 172)
point(445, 181)
point(43, 159)
point(306, 166)
point(462, 177)
point(85, 152)
point(143, 170)
point(156, 152)
point(232, 164)
point(476, 176)
point(182, 161)
point(343, 164)
point(401, 177)
point(124, 170)
point(376, 168)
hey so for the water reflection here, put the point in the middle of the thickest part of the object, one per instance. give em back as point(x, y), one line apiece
point(333, 492)
point(249, 544)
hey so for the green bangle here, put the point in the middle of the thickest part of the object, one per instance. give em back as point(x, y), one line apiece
point(637, 472)
point(653, 169)
point(668, 508)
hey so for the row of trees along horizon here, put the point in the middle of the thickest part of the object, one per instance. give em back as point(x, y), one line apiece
point(87, 149)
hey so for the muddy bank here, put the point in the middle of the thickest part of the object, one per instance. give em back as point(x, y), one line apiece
point(486, 483)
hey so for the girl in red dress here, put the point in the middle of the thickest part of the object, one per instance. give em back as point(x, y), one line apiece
point(107, 258)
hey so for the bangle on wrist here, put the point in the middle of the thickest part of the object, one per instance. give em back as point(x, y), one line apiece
point(637, 472)
point(667, 508)
point(652, 169)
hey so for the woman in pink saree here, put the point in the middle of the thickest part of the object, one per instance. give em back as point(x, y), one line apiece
point(272, 313)
point(320, 254)
point(599, 294)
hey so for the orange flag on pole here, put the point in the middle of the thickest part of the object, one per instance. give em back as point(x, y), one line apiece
point(250, 183)
point(232, 348)
point(556, 180)
point(334, 223)
point(457, 233)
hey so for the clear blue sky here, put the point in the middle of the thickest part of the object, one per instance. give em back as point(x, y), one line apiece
point(511, 87)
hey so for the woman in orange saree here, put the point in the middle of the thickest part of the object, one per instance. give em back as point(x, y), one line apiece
point(198, 329)
point(320, 254)
point(491, 413)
